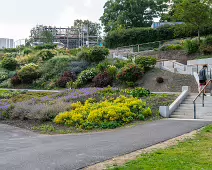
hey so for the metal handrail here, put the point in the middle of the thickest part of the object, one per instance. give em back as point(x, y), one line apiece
point(203, 99)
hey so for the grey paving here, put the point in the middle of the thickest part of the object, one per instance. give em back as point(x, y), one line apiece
point(29, 151)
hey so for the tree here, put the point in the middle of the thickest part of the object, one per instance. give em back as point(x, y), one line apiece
point(169, 17)
point(47, 37)
point(194, 12)
point(120, 14)
point(93, 28)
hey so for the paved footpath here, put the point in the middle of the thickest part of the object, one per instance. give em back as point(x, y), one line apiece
point(24, 150)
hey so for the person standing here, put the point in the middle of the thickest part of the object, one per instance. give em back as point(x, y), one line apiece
point(203, 78)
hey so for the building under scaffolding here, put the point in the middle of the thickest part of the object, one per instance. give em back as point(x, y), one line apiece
point(68, 37)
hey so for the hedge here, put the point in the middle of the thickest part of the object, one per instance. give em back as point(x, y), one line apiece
point(126, 37)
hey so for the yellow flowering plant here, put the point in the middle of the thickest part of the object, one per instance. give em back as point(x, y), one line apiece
point(106, 114)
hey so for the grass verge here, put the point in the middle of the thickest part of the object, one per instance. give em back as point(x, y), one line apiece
point(193, 154)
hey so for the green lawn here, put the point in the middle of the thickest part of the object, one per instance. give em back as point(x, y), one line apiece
point(194, 154)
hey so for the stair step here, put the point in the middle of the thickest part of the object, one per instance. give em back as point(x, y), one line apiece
point(181, 117)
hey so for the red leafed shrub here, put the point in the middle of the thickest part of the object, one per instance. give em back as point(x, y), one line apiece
point(15, 80)
point(102, 80)
point(130, 73)
point(70, 74)
point(63, 81)
point(67, 77)
point(159, 79)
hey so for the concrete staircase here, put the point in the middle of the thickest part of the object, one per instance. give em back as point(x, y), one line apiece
point(186, 109)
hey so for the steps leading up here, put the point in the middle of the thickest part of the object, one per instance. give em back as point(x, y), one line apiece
point(186, 109)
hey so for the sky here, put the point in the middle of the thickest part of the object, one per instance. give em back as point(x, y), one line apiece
point(19, 16)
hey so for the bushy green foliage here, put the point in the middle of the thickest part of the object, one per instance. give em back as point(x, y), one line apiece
point(27, 51)
point(46, 54)
point(28, 73)
point(86, 76)
point(146, 62)
point(139, 92)
point(75, 51)
point(3, 75)
point(132, 36)
point(112, 70)
point(129, 73)
point(46, 46)
point(11, 50)
point(170, 47)
point(191, 46)
point(6, 94)
point(9, 63)
point(94, 54)
point(208, 41)
point(55, 66)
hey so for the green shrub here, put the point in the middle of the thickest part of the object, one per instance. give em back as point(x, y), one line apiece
point(112, 70)
point(9, 63)
point(146, 62)
point(121, 63)
point(27, 51)
point(208, 41)
point(139, 92)
point(129, 73)
point(11, 50)
point(55, 67)
point(46, 54)
point(86, 76)
point(75, 51)
point(132, 36)
point(94, 54)
point(3, 75)
point(28, 73)
point(46, 46)
point(98, 54)
point(102, 66)
point(170, 47)
point(191, 46)
point(206, 50)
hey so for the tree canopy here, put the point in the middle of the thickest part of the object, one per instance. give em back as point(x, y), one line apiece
point(93, 28)
point(131, 13)
point(194, 12)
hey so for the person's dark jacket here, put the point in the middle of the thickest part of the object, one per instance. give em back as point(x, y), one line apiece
point(202, 75)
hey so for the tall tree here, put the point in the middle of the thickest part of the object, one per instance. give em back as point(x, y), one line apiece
point(93, 28)
point(169, 15)
point(194, 12)
point(131, 13)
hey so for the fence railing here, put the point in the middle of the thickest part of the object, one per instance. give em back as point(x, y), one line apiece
point(203, 99)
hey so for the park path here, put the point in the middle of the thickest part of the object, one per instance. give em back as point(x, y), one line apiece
point(24, 150)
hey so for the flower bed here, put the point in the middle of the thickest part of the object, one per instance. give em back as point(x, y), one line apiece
point(81, 109)
point(107, 114)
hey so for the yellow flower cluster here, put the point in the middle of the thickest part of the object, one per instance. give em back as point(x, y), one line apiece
point(121, 109)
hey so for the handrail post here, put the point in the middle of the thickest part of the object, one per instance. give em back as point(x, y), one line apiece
point(203, 98)
point(195, 112)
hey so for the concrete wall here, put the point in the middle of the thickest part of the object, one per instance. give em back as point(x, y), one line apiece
point(166, 111)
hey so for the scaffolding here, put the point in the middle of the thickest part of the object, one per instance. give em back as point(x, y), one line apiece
point(69, 37)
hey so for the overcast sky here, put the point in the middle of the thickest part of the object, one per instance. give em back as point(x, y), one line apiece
point(17, 17)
